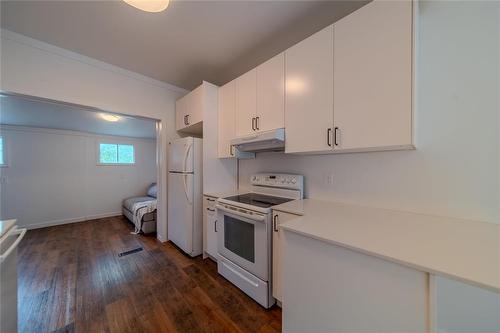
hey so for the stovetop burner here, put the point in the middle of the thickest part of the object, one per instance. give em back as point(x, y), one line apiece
point(259, 200)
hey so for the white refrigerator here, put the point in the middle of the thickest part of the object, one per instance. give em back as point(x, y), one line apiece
point(185, 195)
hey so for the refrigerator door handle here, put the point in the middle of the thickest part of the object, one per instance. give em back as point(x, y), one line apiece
point(21, 233)
point(186, 157)
point(185, 188)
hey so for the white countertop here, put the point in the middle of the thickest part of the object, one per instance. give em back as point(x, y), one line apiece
point(5, 226)
point(461, 249)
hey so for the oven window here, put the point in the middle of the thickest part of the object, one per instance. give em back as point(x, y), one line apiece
point(239, 238)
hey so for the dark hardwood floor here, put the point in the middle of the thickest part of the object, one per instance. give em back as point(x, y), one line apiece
point(71, 279)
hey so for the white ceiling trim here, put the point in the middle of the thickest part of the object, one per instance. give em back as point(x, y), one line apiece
point(21, 39)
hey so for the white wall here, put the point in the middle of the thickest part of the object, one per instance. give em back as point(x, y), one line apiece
point(53, 177)
point(455, 170)
point(35, 68)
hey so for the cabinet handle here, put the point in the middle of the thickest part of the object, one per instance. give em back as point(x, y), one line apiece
point(253, 124)
point(257, 123)
point(335, 141)
point(210, 199)
point(211, 210)
point(215, 225)
point(187, 119)
point(328, 137)
point(275, 225)
point(231, 150)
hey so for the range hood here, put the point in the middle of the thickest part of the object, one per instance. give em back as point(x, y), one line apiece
point(265, 141)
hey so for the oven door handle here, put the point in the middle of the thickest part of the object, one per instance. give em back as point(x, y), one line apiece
point(259, 218)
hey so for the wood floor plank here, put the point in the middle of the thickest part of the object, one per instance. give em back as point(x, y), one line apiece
point(71, 279)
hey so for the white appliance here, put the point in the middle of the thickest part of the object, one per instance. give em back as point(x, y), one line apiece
point(244, 229)
point(273, 140)
point(185, 195)
point(10, 237)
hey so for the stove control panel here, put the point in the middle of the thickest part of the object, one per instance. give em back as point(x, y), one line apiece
point(282, 180)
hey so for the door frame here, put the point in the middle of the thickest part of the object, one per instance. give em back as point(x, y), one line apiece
point(161, 154)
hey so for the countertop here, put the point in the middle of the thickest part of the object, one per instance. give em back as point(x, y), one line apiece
point(5, 226)
point(465, 250)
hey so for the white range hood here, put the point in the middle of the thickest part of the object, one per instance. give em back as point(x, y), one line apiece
point(265, 141)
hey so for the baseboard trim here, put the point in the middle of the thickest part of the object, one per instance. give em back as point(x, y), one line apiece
point(68, 221)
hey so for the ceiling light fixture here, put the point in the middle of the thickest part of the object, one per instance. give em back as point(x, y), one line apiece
point(109, 117)
point(152, 6)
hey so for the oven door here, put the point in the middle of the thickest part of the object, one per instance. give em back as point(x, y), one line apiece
point(243, 238)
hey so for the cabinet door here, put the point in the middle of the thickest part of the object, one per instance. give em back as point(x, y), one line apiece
point(212, 233)
point(278, 218)
point(309, 93)
point(373, 76)
point(195, 106)
point(246, 103)
point(180, 112)
point(271, 94)
point(226, 126)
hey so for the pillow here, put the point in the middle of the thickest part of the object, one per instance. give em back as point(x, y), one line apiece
point(152, 190)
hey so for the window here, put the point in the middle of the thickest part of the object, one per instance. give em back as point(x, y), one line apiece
point(2, 152)
point(111, 153)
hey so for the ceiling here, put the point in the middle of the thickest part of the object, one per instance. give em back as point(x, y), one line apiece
point(35, 113)
point(191, 41)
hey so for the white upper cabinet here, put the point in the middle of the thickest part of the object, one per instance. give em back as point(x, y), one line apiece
point(309, 93)
point(271, 94)
point(189, 112)
point(226, 126)
point(373, 77)
point(180, 113)
point(246, 103)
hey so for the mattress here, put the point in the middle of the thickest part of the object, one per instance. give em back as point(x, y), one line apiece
point(130, 202)
point(149, 219)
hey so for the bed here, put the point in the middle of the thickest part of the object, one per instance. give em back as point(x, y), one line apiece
point(141, 211)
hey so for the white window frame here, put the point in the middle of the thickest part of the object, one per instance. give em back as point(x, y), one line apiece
point(98, 152)
point(4, 152)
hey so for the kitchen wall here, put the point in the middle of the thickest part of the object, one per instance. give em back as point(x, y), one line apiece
point(32, 67)
point(53, 177)
point(455, 170)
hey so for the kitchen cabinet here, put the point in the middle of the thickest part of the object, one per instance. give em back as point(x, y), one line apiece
point(457, 307)
point(278, 218)
point(260, 98)
point(209, 228)
point(226, 123)
point(246, 103)
point(189, 112)
point(309, 93)
point(372, 74)
point(349, 87)
point(329, 288)
point(271, 94)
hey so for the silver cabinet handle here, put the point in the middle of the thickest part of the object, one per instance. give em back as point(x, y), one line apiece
point(253, 123)
point(231, 150)
point(215, 225)
point(257, 123)
point(275, 223)
point(211, 210)
point(187, 119)
point(328, 137)
point(210, 199)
